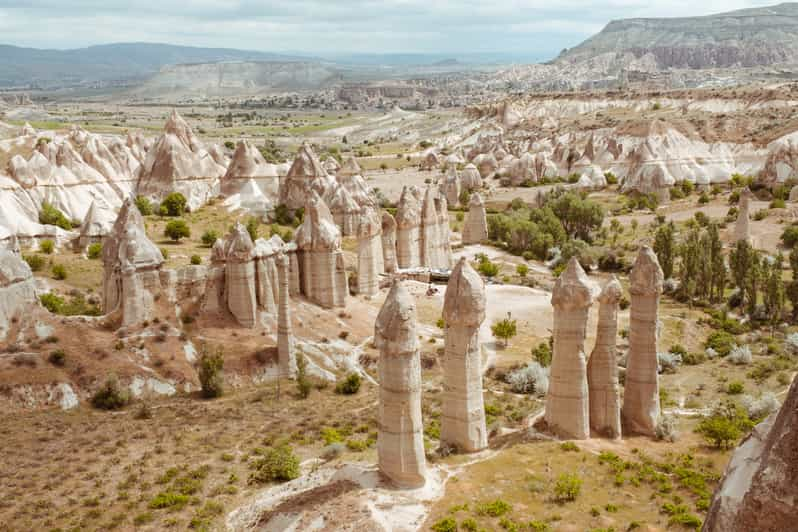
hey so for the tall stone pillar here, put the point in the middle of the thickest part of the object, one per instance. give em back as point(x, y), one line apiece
point(285, 339)
point(641, 386)
point(240, 283)
point(567, 413)
point(369, 252)
point(742, 230)
point(463, 411)
point(430, 233)
point(602, 368)
point(400, 441)
point(388, 242)
point(475, 228)
point(408, 236)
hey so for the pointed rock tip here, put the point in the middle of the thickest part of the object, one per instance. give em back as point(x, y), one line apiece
point(464, 301)
point(612, 291)
point(646, 276)
point(573, 289)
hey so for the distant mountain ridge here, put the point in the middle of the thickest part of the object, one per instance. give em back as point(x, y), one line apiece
point(751, 37)
point(122, 61)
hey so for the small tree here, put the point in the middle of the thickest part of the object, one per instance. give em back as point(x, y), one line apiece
point(95, 250)
point(349, 385)
point(522, 270)
point(209, 237)
point(665, 248)
point(505, 329)
point(211, 365)
point(177, 229)
point(143, 205)
point(46, 246)
point(303, 384)
point(567, 488)
point(174, 204)
point(110, 396)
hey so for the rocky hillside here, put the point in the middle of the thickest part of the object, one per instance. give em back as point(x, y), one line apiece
point(746, 38)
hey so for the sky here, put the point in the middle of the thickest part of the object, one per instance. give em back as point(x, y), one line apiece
point(537, 29)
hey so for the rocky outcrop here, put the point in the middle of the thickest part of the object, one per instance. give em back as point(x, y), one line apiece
point(17, 290)
point(742, 229)
point(641, 387)
point(345, 210)
point(462, 410)
point(285, 338)
point(567, 407)
point(602, 368)
point(389, 242)
point(321, 263)
point(349, 176)
point(451, 186)
point(757, 491)
point(782, 160)
point(430, 161)
point(430, 233)
point(240, 276)
point(96, 226)
point(131, 269)
point(408, 230)
point(400, 440)
point(249, 165)
point(470, 178)
point(179, 162)
point(305, 176)
point(369, 253)
point(475, 227)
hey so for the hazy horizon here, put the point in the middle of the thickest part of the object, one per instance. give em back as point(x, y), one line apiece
point(525, 29)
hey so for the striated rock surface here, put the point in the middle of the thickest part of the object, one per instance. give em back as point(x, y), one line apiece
point(389, 242)
point(285, 338)
point(757, 491)
point(567, 407)
point(408, 230)
point(742, 227)
point(321, 266)
point(641, 388)
point(602, 368)
point(240, 276)
point(249, 165)
point(96, 226)
point(131, 268)
point(463, 411)
point(475, 228)
point(345, 210)
point(451, 186)
point(470, 178)
point(17, 290)
point(305, 176)
point(400, 441)
point(349, 176)
point(369, 253)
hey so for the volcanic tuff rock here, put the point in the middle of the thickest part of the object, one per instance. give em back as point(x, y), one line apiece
point(567, 412)
point(408, 230)
point(285, 338)
point(306, 175)
point(475, 228)
point(742, 227)
point(248, 164)
point(179, 162)
point(400, 440)
point(96, 226)
point(370, 263)
point(462, 410)
point(17, 290)
point(641, 388)
point(602, 367)
point(389, 242)
point(131, 268)
point(240, 276)
point(757, 491)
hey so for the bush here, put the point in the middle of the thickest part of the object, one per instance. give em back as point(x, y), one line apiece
point(495, 508)
point(209, 238)
point(35, 262)
point(668, 362)
point(761, 407)
point(46, 246)
point(168, 499)
point(724, 426)
point(542, 353)
point(532, 378)
point(59, 272)
point(95, 251)
point(789, 237)
point(522, 270)
point(49, 215)
point(57, 358)
point(666, 429)
point(278, 464)
point(567, 487)
point(778, 203)
point(740, 355)
point(143, 205)
point(735, 388)
point(504, 329)
point(349, 385)
point(52, 302)
point(110, 396)
point(720, 342)
point(196, 260)
point(703, 198)
point(447, 524)
point(487, 268)
point(174, 204)
point(303, 384)
point(177, 229)
point(252, 228)
point(211, 365)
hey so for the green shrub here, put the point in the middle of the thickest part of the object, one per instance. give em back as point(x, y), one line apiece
point(724, 426)
point(735, 388)
point(57, 358)
point(59, 272)
point(703, 198)
point(778, 203)
point(487, 268)
point(278, 464)
point(46, 246)
point(447, 524)
point(174, 204)
point(210, 372)
point(209, 237)
point(52, 302)
point(349, 385)
point(567, 487)
point(252, 228)
point(504, 329)
point(95, 251)
point(196, 260)
point(177, 229)
point(495, 508)
point(110, 396)
point(164, 252)
point(721, 341)
point(789, 237)
point(569, 446)
point(303, 384)
point(35, 262)
point(143, 205)
point(331, 435)
point(522, 270)
point(175, 501)
point(542, 353)
point(49, 215)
